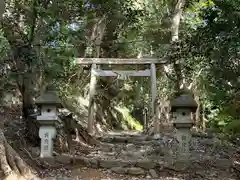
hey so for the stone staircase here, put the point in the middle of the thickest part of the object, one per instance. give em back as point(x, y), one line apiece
point(154, 157)
point(136, 154)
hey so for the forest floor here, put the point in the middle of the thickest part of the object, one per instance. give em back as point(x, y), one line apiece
point(131, 155)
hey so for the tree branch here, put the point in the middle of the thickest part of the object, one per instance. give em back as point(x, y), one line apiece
point(34, 21)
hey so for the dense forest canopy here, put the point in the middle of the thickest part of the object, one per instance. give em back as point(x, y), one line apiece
point(41, 39)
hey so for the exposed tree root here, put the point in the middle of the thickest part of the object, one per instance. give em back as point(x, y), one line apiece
point(158, 128)
point(12, 165)
point(151, 127)
point(160, 122)
point(71, 126)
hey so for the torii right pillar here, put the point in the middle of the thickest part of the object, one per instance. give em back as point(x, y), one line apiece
point(153, 87)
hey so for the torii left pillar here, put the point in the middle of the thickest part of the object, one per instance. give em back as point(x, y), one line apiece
point(92, 89)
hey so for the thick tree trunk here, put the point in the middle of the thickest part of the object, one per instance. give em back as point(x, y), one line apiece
point(27, 105)
point(32, 129)
point(12, 165)
point(28, 94)
point(176, 18)
point(29, 76)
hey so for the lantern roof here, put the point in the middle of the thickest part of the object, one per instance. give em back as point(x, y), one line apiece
point(185, 99)
point(49, 97)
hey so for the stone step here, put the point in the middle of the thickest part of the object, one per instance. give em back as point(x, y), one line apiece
point(142, 167)
point(126, 139)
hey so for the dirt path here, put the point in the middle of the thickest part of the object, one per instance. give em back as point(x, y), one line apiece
point(132, 156)
point(96, 174)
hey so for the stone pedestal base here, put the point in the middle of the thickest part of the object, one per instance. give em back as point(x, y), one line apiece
point(47, 134)
point(183, 137)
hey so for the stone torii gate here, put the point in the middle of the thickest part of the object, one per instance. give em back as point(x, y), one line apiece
point(96, 71)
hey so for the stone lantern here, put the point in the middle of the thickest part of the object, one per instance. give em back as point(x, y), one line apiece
point(182, 108)
point(49, 104)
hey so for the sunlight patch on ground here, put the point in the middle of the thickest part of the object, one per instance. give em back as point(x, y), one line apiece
point(129, 119)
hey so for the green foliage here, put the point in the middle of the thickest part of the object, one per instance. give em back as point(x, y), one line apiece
point(4, 47)
point(40, 39)
point(213, 47)
point(128, 120)
point(4, 69)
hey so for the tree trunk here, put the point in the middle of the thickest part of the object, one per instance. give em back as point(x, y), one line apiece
point(28, 78)
point(28, 93)
point(96, 40)
point(12, 165)
point(32, 129)
point(203, 120)
point(161, 120)
point(164, 116)
point(27, 105)
point(198, 114)
point(176, 18)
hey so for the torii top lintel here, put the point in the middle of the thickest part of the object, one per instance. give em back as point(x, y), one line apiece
point(121, 60)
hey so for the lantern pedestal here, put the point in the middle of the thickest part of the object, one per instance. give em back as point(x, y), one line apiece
point(183, 136)
point(47, 134)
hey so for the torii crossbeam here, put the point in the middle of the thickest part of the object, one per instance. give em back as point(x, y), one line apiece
point(151, 72)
